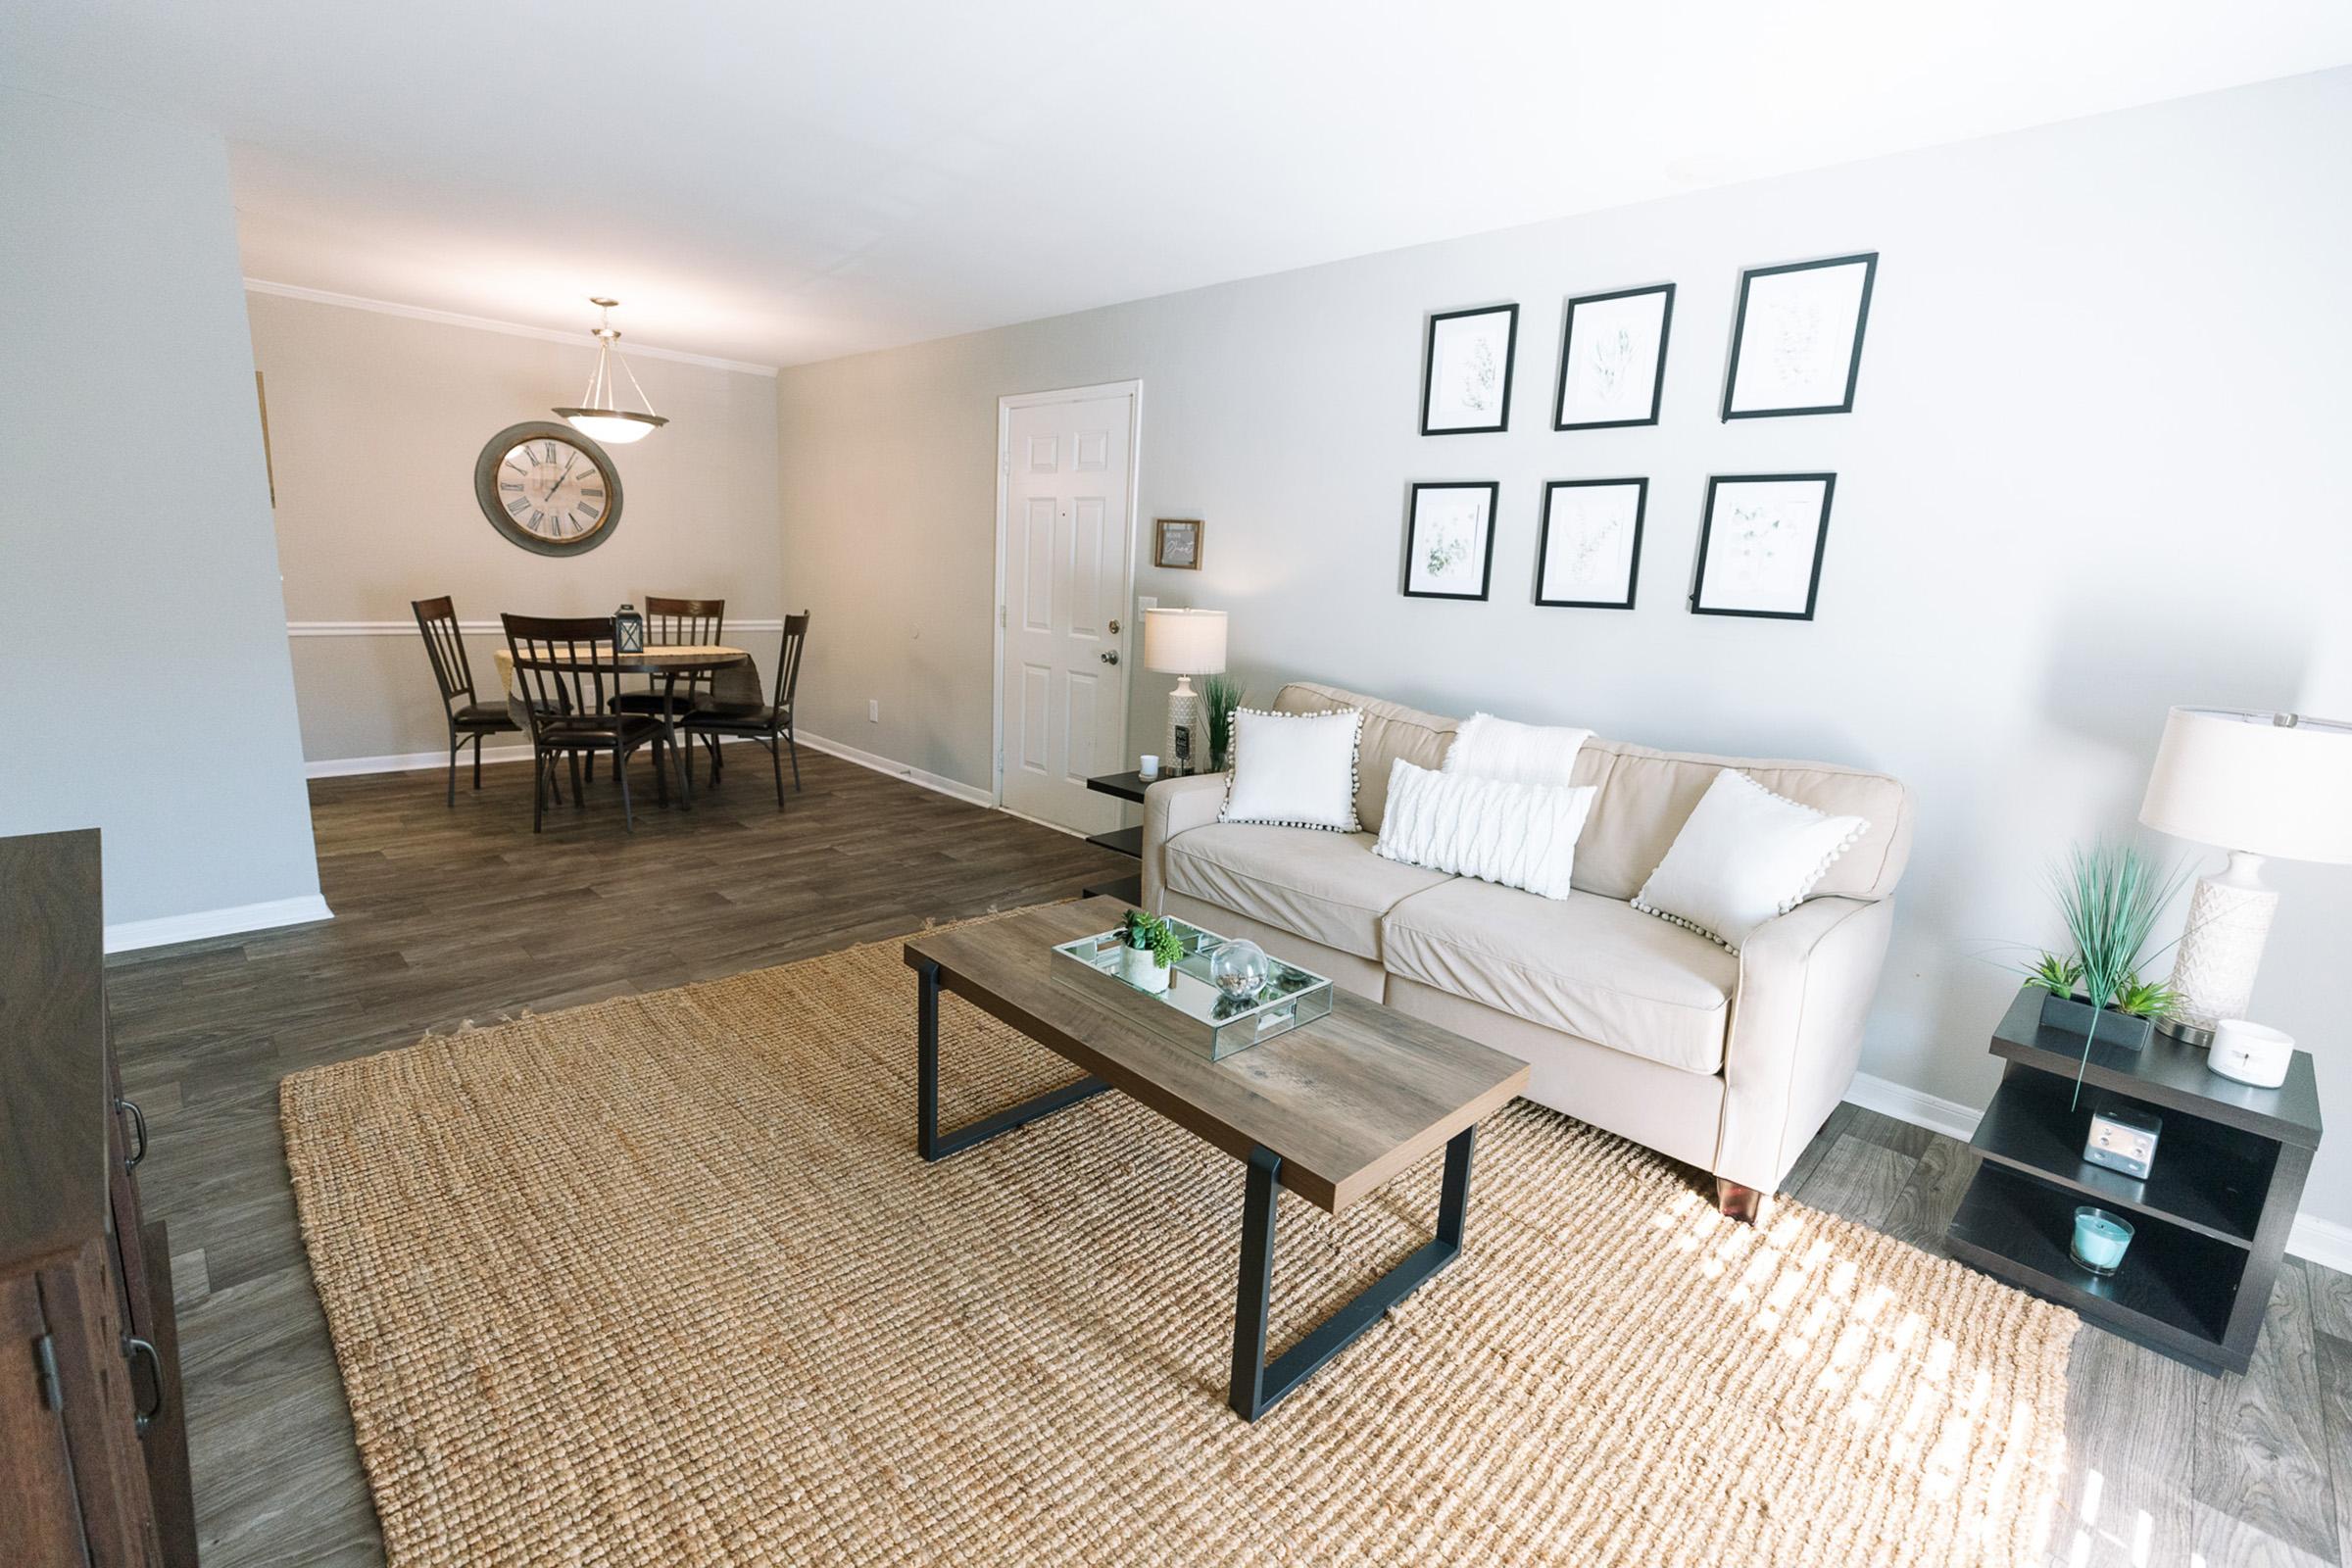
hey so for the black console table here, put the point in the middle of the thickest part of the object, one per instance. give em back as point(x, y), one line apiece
point(2210, 1220)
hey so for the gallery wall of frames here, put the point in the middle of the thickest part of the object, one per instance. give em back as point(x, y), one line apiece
point(1795, 350)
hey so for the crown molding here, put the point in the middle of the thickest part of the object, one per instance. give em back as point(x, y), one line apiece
point(483, 324)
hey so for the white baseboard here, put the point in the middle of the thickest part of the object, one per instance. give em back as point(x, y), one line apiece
point(2315, 1239)
point(1932, 1112)
point(954, 788)
point(435, 761)
point(2323, 1242)
point(129, 934)
point(411, 761)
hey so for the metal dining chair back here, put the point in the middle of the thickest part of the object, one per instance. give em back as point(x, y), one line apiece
point(444, 646)
point(566, 670)
point(788, 675)
point(677, 623)
point(470, 720)
point(770, 724)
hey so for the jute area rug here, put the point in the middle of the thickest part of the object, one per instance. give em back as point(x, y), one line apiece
point(661, 1281)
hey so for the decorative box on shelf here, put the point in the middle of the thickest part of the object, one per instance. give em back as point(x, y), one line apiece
point(2209, 1220)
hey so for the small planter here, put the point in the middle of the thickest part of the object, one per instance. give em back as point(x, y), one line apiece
point(2074, 1015)
point(1142, 970)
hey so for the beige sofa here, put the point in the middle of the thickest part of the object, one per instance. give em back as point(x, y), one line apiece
point(1728, 1062)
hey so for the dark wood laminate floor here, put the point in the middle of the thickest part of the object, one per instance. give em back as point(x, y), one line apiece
point(447, 917)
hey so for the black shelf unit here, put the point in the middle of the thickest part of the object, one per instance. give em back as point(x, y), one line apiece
point(1128, 786)
point(2210, 1220)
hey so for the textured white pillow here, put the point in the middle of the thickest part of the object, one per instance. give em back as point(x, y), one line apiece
point(1520, 835)
point(1487, 747)
point(1746, 856)
point(1293, 769)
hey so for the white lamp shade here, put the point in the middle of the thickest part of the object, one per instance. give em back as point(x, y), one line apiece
point(2269, 784)
point(1184, 642)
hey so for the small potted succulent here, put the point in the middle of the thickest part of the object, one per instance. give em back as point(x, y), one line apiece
point(2109, 897)
point(1149, 950)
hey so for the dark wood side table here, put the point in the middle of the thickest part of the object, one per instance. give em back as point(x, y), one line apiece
point(1128, 786)
point(2210, 1221)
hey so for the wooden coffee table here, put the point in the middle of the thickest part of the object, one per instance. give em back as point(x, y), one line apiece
point(1331, 1110)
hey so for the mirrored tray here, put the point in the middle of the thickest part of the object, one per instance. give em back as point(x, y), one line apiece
point(1193, 1009)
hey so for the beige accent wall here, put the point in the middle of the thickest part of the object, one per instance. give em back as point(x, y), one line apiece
point(146, 691)
point(376, 421)
point(2094, 469)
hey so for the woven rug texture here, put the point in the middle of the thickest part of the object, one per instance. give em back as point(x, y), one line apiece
point(661, 1281)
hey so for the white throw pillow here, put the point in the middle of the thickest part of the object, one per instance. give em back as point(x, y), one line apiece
point(1487, 747)
point(1293, 769)
point(1520, 835)
point(1746, 856)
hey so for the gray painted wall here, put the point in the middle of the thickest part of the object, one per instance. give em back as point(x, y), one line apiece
point(2093, 472)
point(376, 420)
point(147, 690)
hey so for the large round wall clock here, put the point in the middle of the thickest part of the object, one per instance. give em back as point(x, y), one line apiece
point(548, 488)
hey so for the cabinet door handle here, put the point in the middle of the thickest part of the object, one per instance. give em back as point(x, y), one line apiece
point(133, 1348)
point(138, 1130)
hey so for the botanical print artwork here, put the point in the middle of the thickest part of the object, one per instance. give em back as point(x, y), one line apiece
point(1449, 540)
point(1591, 543)
point(1467, 380)
point(1612, 358)
point(1797, 346)
point(1761, 551)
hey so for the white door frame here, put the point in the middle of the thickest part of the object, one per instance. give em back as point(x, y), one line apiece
point(1133, 391)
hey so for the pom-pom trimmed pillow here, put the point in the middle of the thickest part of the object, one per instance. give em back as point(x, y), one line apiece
point(1293, 769)
point(1744, 857)
point(1520, 835)
point(1487, 747)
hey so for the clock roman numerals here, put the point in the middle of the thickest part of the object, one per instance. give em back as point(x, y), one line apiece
point(548, 490)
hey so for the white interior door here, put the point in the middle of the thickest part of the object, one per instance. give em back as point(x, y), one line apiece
point(1062, 689)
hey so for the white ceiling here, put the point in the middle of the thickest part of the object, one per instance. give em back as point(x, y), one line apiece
point(783, 182)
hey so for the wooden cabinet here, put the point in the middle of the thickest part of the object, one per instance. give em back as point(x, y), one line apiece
point(93, 1450)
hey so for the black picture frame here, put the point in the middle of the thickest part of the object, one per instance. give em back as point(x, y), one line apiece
point(1633, 569)
point(1868, 260)
point(1706, 538)
point(1429, 367)
point(1657, 389)
point(1412, 523)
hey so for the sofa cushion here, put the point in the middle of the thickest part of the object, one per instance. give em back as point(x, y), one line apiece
point(1326, 887)
point(1599, 970)
point(1646, 796)
point(1390, 730)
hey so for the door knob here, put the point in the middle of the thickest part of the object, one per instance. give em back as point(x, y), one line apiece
point(1109, 655)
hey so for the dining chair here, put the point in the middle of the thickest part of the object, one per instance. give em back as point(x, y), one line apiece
point(674, 622)
point(564, 667)
point(767, 724)
point(468, 717)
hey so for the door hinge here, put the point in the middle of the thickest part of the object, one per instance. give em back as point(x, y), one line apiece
point(53, 1393)
point(1002, 618)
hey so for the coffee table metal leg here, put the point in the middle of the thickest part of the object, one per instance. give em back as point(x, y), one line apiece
point(1258, 1384)
point(929, 1141)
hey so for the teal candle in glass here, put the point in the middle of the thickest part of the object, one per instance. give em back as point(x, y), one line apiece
point(2101, 1239)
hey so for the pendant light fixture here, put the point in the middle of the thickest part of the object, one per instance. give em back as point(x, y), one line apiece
point(603, 420)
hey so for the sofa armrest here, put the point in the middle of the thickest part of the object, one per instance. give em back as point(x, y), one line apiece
point(1171, 806)
point(1806, 980)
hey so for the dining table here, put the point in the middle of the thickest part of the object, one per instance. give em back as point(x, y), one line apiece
point(733, 678)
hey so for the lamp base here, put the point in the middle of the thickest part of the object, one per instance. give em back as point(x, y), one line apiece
point(2221, 948)
point(1187, 713)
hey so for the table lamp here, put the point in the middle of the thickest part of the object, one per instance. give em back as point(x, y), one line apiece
point(2257, 785)
point(1185, 643)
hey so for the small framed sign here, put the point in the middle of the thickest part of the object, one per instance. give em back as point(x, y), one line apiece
point(1449, 540)
point(1759, 544)
point(1466, 371)
point(1176, 545)
point(1592, 544)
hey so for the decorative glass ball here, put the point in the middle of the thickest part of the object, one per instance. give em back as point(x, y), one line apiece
point(1239, 968)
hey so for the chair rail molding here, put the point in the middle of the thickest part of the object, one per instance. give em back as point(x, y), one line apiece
point(471, 628)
